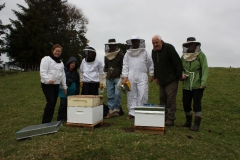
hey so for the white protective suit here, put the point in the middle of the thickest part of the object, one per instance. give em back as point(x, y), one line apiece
point(136, 64)
point(91, 71)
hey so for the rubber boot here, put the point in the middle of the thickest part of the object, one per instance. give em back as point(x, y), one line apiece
point(188, 122)
point(196, 125)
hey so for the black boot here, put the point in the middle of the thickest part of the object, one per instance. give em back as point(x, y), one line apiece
point(196, 125)
point(188, 122)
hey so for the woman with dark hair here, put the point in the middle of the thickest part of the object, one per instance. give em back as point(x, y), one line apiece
point(52, 75)
point(72, 81)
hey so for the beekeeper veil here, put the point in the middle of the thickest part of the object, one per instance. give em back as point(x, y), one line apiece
point(191, 49)
point(133, 42)
point(111, 46)
point(90, 54)
point(191, 40)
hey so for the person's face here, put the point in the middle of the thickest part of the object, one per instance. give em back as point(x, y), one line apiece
point(57, 52)
point(191, 48)
point(112, 48)
point(72, 65)
point(91, 54)
point(157, 44)
point(135, 43)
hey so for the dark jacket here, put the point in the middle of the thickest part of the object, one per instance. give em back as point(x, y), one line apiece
point(114, 67)
point(72, 77)
point(167, 64)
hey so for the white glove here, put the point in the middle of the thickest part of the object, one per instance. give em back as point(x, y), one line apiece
point(81, 76)
point(104, 80)
point(119, 83)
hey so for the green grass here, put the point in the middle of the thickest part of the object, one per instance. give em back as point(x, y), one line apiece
point(22, 103)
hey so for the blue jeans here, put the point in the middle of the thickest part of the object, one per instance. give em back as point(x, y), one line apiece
point(114, 95)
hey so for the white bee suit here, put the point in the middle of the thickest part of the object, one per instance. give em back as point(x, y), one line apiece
point(136, 64)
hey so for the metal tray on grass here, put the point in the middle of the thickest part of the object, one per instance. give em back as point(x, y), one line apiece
point(37, 130)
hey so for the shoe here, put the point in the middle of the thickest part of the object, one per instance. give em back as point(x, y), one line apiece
point(116, 114)
point(169, 123)
point(188, 122)
point(196, 125)
point(130, 117)
point(109, 115)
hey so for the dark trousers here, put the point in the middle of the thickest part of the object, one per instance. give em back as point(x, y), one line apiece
point(195, 96)
point(168, 94)
point(62, 110)
point(51, 94)
point(90, 88)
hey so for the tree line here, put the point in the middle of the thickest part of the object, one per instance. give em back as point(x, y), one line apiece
point(39, 26)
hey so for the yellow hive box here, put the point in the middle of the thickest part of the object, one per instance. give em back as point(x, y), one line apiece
point(85, 100)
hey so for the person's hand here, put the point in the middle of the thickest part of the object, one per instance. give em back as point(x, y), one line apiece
point(65, 91)
point(81, 84)
point(157, 82)
point(184, 76)
point(51, 81)
point(151, 79)
point(100, 86)
point(202, 87)
point(125, 79)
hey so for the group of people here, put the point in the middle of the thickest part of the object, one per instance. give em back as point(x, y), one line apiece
point(164, 66)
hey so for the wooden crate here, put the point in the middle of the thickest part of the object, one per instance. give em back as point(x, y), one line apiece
point(150, 130)
point(85, 125)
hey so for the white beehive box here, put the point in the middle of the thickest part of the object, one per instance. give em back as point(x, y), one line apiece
point(150, 116)
point(85, 109)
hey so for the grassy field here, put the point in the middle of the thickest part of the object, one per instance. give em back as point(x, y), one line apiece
point(22, 103)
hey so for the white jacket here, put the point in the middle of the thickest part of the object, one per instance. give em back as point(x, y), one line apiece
point(50, 70)
point(136, 63)
point(91, 71)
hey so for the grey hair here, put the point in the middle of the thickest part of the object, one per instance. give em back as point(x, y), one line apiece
point(158, 37)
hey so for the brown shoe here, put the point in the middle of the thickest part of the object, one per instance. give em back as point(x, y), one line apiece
point(109, 115)
point(169, 123)
point(130, 117)
point(116, 114)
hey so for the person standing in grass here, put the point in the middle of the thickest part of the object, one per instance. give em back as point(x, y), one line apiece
point(91, 73)
point(195, 75)
point(136, 64)
point(112, 70)
point(167, 73)
point(52, 75)
point(72, 81)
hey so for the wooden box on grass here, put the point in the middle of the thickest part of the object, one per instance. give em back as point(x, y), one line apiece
point(84, 109)
point(150, 115)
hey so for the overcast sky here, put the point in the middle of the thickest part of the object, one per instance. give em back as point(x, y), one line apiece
point(214, 23)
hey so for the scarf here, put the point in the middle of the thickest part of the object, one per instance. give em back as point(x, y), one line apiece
point(111, 55)
point(56, 59)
